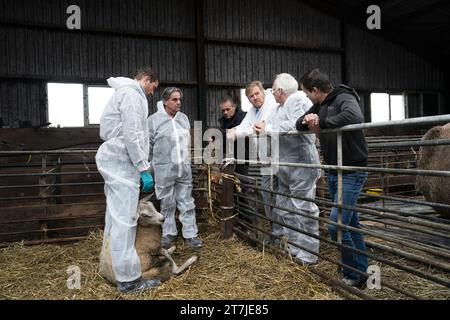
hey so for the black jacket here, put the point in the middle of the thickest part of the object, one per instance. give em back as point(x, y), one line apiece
point(230, 123)
point(340, 108)
point(234, 121)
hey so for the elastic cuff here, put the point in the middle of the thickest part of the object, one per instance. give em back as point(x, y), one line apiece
point(142, 166)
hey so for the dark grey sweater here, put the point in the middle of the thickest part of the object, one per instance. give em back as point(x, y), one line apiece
point(340, 108)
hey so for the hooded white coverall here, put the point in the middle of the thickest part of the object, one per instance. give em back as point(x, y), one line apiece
point(255, 115)
point(170, 161)
point(119, 160)
point(295, 180)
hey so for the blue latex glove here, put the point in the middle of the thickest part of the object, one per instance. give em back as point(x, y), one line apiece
point(147, 181)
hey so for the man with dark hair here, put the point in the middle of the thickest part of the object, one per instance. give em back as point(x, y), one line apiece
point(232, 116)
point(169, 158)
point(333, 108)
point(146, 72)
point(122, 160)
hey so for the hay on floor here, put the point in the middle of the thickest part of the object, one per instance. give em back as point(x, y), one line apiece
point(227, 269)
point(416, 285)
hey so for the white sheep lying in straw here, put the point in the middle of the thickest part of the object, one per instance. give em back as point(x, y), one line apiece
point(156, 262)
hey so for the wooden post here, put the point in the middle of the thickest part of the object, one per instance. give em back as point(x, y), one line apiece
point(227, 204)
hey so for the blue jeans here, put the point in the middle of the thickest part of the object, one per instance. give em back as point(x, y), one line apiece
point(352, 183)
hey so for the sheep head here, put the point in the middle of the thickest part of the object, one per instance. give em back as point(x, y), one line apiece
point(148, 215)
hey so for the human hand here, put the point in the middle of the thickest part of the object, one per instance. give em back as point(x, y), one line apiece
point(231, 134)
point(259, 127)
point(312, 121)
point(147, 181)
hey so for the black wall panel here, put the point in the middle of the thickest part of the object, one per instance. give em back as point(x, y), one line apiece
point(244, 41)
point(22, 101)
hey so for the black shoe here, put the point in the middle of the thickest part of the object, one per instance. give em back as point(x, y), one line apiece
point(357, 283)
point(168, 241)
point(194, 243)
point(137, 285)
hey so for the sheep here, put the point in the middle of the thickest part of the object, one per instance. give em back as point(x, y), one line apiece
point(435, 189)
point(156, 262)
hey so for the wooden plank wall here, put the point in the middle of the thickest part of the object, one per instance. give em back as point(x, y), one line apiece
point(49, 213)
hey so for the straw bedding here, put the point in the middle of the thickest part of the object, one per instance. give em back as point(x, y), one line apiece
point(227, 269)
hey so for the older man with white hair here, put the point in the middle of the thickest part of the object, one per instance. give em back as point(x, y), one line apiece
point(294, 180)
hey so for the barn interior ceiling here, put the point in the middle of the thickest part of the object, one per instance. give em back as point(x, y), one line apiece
point(422, 26)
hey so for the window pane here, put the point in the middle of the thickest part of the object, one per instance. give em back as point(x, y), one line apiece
point(65, 104)
point(379, 107)
point(98, 97)
point(245, 104)
point(397, 108)
point(413, 102)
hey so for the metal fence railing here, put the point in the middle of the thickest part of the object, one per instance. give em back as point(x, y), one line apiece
point(403, 233)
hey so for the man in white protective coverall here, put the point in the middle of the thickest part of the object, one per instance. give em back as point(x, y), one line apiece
point(295, 181)
point(170, 160)
point(263, 105)
point(122, 160)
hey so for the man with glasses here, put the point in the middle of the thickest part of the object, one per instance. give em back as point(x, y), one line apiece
point(296, 181)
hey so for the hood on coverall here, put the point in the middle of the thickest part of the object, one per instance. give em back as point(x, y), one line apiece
point(119, 160)
point(295, 180)
point(170, 161)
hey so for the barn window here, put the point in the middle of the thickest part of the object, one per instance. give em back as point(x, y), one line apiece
point(386, 107)
point(65, 104)
point(423, 104)
point(76, 104)
point(98, 97)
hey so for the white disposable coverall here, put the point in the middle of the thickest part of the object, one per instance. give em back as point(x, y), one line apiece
point(119, 160)
point(295, 180)
point(255, 115)
point(170, 161)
